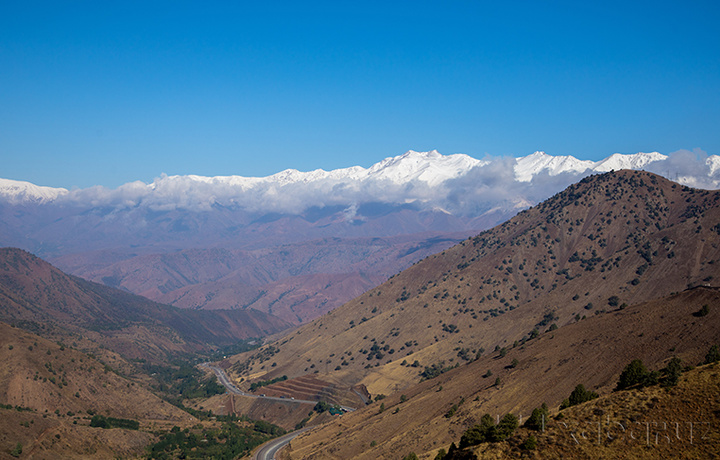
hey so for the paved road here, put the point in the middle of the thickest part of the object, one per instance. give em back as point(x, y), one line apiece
point(225, 381)
point(268, 451)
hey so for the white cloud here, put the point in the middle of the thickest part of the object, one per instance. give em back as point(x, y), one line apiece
point(486, 185)
point(690, 168)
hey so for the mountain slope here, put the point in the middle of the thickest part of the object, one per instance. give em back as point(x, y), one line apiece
point(592, 352)
point(49, 392)
point(40, 297)
point(618, 238)
point(295, 282)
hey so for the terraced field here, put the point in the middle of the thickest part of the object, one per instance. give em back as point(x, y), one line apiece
point(309, 387)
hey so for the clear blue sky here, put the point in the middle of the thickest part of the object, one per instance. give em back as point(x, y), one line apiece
point(98, 94)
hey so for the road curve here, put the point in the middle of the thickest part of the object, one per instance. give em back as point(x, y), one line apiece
point(272, 447)
point(225, 381)
point(268, 450)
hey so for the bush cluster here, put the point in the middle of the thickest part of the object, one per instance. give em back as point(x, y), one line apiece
point(487, 431)
point(578, 396)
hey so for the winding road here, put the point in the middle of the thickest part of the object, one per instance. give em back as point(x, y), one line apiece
point(272, 447)
point(225, 381)
point(268, 450)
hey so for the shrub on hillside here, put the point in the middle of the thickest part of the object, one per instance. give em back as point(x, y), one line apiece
point(479, 433)
point(507, 426)
point(487, 431)
point(713, 355)
point(538, 418)
point(264, 383)
point(321, 407)
point(704, 310)
point(634, 373)
point(671, 373)
point(17, 451)
point(578, 396)
point(99, 421)
point(454, 453)
point(530, 443)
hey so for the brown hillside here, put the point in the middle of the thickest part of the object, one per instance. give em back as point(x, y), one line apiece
point(297, 282)
point(592, 352)
point(618, 238)
point(58, 388)
point(38, 297)
point(648, 424)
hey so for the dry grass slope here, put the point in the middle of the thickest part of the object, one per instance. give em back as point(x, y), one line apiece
point(569, 289)
point(58, 389)
point(592, 352)
point(619, 238)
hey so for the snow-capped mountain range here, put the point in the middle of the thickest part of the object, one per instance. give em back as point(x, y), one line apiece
point(425, 178)
point(23, 192)
point(294, 242)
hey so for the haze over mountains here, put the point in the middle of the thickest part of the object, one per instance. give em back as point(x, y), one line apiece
point(295, 244)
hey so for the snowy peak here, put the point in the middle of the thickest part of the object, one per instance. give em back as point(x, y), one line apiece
point(21, 192)
point(619, 161)
point(431, 167)
point(528, 167)
point(457, 183)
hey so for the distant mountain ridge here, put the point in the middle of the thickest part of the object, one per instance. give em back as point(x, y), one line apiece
point(41, 297)
point(532, 165)
point(333, 234)
point(341, 186)
point(16, 192)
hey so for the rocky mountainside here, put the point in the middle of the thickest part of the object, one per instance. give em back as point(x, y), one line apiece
point(40, 298)
point(611, 240)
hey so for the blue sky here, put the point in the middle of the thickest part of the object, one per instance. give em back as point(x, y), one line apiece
point(98, 94)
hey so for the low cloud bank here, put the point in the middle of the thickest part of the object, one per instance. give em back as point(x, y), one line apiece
point(481, 188)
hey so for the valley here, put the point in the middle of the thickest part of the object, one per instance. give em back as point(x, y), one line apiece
point(618, 267)
point(359, 230)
